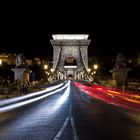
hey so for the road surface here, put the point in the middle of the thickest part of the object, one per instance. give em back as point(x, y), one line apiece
point(69, 115)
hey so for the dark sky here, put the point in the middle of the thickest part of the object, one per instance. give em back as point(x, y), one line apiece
point(112, 28)
point(103, 44)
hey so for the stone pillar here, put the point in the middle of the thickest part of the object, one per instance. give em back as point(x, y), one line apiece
point(120, 75)
point(18, 73)
point(56, 55)
point(78, 58)
point(21, 74)
point(79, 76)
point(84, 55)
point(120, 71)
point(61, 76)
point(82, 75)
point(57, 75)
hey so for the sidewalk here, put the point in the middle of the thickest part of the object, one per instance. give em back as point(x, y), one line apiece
point(9, 96)
point(9, 93)
point(15, 94)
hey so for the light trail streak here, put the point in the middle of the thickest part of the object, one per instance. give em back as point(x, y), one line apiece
point(62, 99)
point(16, 99)
point(22, 103)
point(115, 97)
point(111, 91)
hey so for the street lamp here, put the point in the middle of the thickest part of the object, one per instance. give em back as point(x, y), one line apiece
point(0, 61)
point(45, 66)
point(95, 66)
point(52, 70)
point(94, 72)
point(47, 73)
point(89, 70)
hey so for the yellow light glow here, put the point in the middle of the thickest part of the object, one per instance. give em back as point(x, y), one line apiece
point(45, 66)
point(94, 72)
point(131, 100)
point(125, 98)
point(136, 96)
point(111, 91)
point(52, 70)
point(0, 61)
point(95, 66)
point(89, 70)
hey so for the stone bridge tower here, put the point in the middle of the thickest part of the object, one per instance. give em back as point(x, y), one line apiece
point(70, 55)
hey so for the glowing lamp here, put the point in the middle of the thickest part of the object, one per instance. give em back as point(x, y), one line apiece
point(0, 61)
point(52, 70)
point(89, 70)
point(95, 66)
point(45, 66)
point(94, 72)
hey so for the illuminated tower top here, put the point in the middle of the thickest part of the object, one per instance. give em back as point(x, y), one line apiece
point(70, 37)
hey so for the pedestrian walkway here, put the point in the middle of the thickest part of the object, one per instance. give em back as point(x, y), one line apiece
point(8, 94)
point(14, 93)
point(34, 88)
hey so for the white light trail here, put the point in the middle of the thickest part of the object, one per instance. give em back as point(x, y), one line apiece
point(22, 103)
point(65, 95)
point(63, 98)
point(16, 99)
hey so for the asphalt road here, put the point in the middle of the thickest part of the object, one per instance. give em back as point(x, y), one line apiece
point(69, 115)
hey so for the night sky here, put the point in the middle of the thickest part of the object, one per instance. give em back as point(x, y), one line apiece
point(103, 44)
point(113, 28)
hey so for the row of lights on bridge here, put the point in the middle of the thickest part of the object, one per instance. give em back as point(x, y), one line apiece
point(46, 68)
point(89, 70)
point(95, 68)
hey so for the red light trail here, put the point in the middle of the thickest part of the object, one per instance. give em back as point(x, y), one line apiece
point(126, 99)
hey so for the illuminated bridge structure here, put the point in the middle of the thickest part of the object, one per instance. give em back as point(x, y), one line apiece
point(70, 56)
